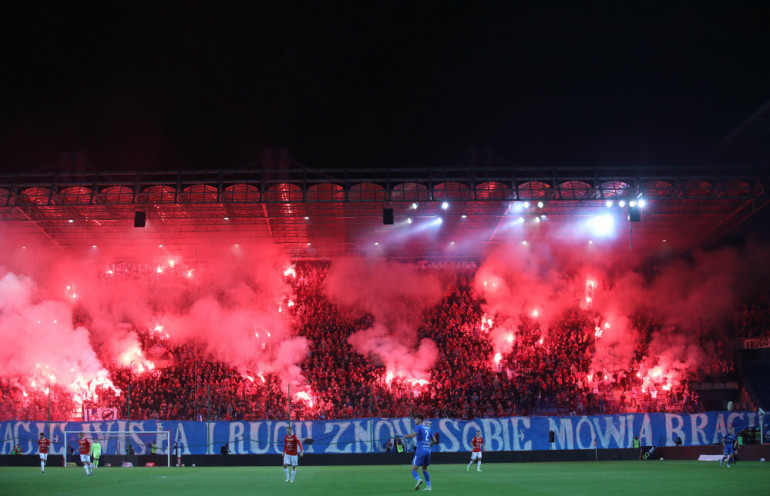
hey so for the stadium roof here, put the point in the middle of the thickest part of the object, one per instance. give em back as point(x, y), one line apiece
point(331, 213)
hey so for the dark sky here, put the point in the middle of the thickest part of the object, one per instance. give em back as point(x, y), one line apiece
point(200, 85)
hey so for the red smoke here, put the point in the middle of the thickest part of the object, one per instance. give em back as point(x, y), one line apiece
point(227, 298)
point(395, 295)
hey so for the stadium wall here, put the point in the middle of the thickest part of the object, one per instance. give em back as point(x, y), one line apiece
point(338, 437)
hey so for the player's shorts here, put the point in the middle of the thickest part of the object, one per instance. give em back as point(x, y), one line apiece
point(85, 458)
point(44, 456)
point(728, 450)
point(476, 455)
point(421, 459)
point(291, 460)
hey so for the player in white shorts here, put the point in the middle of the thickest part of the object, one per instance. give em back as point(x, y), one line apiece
point(477, 443)
point(291, 444)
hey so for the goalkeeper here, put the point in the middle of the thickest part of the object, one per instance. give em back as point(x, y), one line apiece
point(96, 452)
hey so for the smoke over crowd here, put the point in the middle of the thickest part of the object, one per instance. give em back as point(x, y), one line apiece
point(66, 321)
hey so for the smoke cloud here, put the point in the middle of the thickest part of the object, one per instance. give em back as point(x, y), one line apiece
point(395, 295)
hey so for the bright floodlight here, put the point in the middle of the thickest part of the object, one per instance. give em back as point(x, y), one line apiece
point(608, 203)
point(409, 220)
point(540, 204)
point(414, 206)
point(445, 205)
point(622, 203)
point(632, 203)
point(602, 225)
point(526, 204)
point(440, 220)
point(641, 202)
point(463, 216)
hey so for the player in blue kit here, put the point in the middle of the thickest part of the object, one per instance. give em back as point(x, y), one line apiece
point(424, 439)
point(729, 443)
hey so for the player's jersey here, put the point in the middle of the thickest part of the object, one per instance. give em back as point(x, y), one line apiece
point(85, 446)
point(42, 445)
point(423, 437)
point(96, 450)
point(290, 444)
point(476, 443)
point(729, 441)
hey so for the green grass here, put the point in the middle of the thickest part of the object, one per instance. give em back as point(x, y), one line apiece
point(678, 478)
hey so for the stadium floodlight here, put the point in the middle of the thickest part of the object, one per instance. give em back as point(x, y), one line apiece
point(608, 203)
point(409, 220)
point(540, 204)
point(622, 203)
point(463, 216)
point(119, 447)
point(445, 205)
point(602, 225)
point(413, 206)
point(632, 203)
point(641, 202)
point(439, 220)
point(526, 204)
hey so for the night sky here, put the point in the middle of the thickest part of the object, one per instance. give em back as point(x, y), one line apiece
point(201, 85)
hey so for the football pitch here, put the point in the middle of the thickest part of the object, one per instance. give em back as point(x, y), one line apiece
point(573, 478)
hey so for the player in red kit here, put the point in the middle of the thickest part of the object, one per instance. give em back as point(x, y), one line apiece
point(84, 446)
point(477, 443)
point(42, 447)
point(290, 445)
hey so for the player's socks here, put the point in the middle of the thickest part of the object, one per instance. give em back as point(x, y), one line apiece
point(479, 466)
point(42, 466)
point(293, 473)
point(415, 475)
point(286, 471)
point(427, 477)
point(85, 467)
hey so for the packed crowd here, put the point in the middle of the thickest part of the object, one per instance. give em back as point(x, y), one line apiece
point(546, 371)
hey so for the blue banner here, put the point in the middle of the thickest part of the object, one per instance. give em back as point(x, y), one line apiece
point(371, 435)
